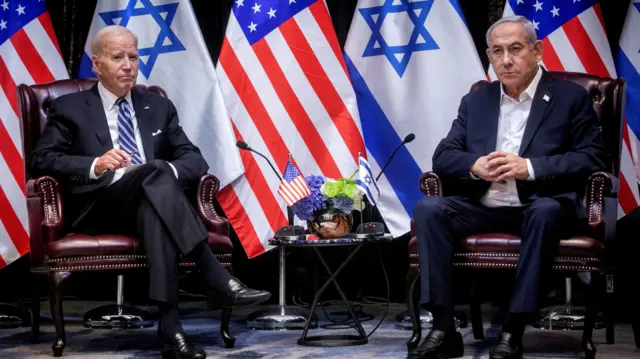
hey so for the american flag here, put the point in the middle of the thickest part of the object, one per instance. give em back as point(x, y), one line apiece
point(29, 54)
point(286, 88)
point(575, 40)
point(293, 186)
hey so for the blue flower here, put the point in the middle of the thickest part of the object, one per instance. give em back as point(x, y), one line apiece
point(306, 207)
point(342, 204)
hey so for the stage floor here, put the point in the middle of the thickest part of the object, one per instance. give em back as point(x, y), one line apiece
point(203, 327)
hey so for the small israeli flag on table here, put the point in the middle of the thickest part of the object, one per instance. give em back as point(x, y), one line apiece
point(366, 183)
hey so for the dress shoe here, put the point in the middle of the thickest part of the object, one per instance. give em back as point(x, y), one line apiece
point(438, 345)
point(508, 347)
point(239, 295)
point(181, 348)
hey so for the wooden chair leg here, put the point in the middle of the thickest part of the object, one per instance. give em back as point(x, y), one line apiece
point(229, 340)
point(592, 310)
point(35, 312)
point(413, 304)
point(476, 312)
point(57, 281)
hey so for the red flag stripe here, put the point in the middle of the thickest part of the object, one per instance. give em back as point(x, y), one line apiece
point(260, 187)
point(586, 51)
point(240, 221)
point(12, 224)
point(296, 111)
point(550, 57)
point(320, 82)
point(12, 157)
point(320, 13)
point(2, 263)
point(45, 21)
point(252, 102)
point(9, 86)
point(625, 197)
point(31, 57)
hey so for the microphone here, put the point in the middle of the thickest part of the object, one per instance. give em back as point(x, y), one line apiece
point(408, 138)
point(290, 232)
point(243, 146)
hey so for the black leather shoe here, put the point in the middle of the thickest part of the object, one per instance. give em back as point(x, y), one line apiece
point(508, 347)
point(240, 294)
point(437, 345)
point(181, 348)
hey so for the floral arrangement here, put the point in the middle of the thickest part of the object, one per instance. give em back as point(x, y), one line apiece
point(328, 195)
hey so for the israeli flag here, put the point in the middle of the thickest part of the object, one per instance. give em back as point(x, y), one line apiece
point(173, 55)
point(367, 183)
point(410, 63)
point(628, 67)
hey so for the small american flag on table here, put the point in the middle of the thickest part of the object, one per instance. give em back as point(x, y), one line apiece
point(293, 186)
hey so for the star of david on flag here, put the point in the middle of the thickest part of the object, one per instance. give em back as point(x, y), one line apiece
point(396, 49)
point(366, 183)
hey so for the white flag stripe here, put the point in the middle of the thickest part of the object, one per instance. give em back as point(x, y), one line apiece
point(14, 193)
point(329, 62)
point(8, 251)
point(313, 108)
point(629, 38)
point(565, 51)
point(268, 96)
point(15, 66)
point(46, 49)
point(10, 120)
point(594, 29)
point(628, 169)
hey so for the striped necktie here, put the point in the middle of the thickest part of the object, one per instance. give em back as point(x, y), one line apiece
point(126, 135)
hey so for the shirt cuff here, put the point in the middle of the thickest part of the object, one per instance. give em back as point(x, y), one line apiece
point(532, 175)
point(175, 171)
point(473, 176)
point(92, 172)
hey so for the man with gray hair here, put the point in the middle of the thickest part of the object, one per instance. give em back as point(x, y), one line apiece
point(516, 161)
point(123, 160)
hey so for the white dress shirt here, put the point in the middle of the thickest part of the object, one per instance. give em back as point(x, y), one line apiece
point(111, 111)
point(511, 124)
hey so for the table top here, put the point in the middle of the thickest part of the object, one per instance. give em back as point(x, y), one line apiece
point(329, 242)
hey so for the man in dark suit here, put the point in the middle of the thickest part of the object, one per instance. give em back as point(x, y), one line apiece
point(123, 160)
point(517, 158)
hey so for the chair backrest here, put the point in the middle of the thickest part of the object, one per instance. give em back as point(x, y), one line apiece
point(34, 102)
point(608, 101)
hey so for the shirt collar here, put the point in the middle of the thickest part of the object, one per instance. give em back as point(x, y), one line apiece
point(109, 99)
point(531, 89)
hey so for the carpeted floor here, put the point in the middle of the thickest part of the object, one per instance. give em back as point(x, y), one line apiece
point(203, 327)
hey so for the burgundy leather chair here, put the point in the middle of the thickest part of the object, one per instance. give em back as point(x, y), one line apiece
point(583, 253)
point(57, 254)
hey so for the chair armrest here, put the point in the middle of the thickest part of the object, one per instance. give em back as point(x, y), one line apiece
point(600, 185)
point(44, 206)
point(207, 190)
point(430, 184)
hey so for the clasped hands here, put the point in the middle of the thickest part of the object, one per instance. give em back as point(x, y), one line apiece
point(499, 166)
point(112, 160)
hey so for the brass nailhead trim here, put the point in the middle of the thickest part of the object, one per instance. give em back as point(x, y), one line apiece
point(117, 256)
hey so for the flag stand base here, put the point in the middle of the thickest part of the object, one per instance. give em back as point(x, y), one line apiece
point(281, 316)
point(12, 316)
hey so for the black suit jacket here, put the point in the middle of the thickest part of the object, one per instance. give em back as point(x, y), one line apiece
point(76, 133)
point(562, 140)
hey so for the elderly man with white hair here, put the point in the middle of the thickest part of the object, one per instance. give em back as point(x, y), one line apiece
point(122, 160)
point(516, 160)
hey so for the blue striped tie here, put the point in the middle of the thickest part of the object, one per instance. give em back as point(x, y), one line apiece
point(126, 135)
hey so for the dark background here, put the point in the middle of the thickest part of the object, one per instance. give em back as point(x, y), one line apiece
point(364, 278)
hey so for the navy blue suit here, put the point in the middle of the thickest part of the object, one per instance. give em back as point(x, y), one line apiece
point(562, 140)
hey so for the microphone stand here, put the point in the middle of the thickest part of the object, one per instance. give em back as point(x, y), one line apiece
point(280, 316)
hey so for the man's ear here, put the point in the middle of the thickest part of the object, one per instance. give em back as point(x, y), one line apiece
point(94, 62)
point(538, 49)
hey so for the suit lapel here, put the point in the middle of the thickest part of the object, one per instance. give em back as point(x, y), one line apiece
point(143, 112)
point(493, 113)
point(541, 101)
point(97, 118)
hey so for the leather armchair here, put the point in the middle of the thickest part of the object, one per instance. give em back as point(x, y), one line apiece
point(57, 254)
point(582, 253)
